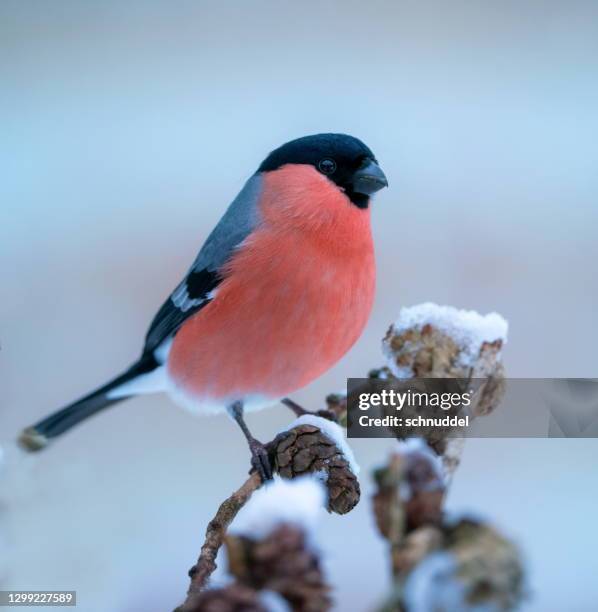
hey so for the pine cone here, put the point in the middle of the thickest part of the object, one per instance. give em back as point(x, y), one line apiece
point(468, 563)
point(388, 507)
point(415, 547)
point(426, 489)
point(431, 341)
point(423, 353)
point(410, 491)
point(492, 392)
point(281, 562)
point(233, 598)
point(305, 449)
point(456, 358)
point(489, 566)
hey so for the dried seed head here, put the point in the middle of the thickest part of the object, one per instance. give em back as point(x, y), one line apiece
point(410, 490)
point(461, 349)
point(431, 341)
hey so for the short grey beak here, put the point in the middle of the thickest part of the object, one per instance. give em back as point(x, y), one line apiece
point(369, 178)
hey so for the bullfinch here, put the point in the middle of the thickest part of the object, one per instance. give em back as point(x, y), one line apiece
point(279, 292)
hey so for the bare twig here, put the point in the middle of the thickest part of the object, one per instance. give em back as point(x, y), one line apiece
point(215, 533)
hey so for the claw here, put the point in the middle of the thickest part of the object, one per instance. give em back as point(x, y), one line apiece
point(260, 460)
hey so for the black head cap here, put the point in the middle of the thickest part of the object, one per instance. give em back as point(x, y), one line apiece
point(343, 159)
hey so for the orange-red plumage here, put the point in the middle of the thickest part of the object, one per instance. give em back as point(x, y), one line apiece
point(295, 297)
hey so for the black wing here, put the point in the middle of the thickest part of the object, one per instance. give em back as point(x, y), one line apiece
point(187, 299)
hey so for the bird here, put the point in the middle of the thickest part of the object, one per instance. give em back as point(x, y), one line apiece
point(281, 289)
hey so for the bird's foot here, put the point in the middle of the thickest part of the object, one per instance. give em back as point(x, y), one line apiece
point(260, 459)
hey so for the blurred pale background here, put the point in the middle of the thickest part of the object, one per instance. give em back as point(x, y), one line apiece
point(127, 127)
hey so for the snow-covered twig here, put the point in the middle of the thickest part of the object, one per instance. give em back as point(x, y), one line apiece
point(272, 555)
point(311, 445)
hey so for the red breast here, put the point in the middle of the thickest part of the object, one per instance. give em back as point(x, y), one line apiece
point(294, 299)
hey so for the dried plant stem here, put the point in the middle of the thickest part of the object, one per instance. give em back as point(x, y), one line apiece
point(215, 533)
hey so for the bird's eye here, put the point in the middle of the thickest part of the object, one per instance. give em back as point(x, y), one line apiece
point(327, 165)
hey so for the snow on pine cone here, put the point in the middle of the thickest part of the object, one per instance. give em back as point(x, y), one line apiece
point(465, 565)
point(315, 445)
point(431, 341)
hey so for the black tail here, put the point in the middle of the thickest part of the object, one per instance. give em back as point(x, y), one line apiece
point(37, 436)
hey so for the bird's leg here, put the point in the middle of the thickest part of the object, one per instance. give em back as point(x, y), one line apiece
point(259, 454)
point(300, 411)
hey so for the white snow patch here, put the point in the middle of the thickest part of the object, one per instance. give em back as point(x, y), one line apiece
point(331, 430)
point(299, 501)
point(468, 328)
point(434, 586)
point(320, 475)
point(400, 372)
